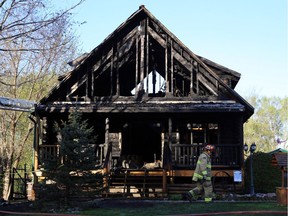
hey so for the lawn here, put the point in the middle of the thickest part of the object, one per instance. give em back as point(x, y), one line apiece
point(133, 208)
point(128, 207)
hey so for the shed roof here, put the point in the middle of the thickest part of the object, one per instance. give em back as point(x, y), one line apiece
point(280, 159)
point(278, 150)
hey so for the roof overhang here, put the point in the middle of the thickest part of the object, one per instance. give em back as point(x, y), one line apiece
point(143, 107)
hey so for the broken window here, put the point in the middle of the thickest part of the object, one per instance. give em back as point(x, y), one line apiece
point(153, 84)
point(199, 133)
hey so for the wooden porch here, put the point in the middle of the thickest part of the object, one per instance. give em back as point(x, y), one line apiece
point(158, 182)
point(139, 183)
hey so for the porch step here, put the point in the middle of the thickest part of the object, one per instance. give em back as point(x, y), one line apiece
point(179, 188)
point(141, 185)
point(218, 187)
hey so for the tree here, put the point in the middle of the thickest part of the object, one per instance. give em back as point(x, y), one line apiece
point(35, 43)
point(78, 153)
point(27, 19)
point(268, 124)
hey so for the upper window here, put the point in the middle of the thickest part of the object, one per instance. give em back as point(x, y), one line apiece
point(199, 133)
point(154, 84)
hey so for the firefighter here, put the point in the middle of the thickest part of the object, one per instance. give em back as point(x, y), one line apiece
point(202, 176)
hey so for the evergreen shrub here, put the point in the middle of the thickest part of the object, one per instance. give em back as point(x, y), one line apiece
point(266, 176)
point(74, 175)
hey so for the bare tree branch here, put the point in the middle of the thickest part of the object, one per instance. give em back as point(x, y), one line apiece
point(34, 45)
point(14, 25)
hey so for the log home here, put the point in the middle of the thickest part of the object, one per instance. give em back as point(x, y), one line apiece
point(149, 98)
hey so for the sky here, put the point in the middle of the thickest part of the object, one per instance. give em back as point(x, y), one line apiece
point(247, 36)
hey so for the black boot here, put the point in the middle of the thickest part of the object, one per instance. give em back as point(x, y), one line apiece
point(189, 197)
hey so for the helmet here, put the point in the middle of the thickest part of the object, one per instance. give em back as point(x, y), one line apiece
point(209, 147)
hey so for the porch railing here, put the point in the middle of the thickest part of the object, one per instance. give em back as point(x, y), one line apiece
point(182, 154)
point(224, 155)
point(49, 153)
point(52, 153)
point(185, 154)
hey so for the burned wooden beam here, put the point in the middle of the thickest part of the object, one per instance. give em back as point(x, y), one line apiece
point(74, 87)
point(158, 38)
point(137, 62)
point(147, 53)
point(112, 71)
point(172, 53)
point(142, 50)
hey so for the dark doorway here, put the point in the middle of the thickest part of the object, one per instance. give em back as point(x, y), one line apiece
point(141, 141)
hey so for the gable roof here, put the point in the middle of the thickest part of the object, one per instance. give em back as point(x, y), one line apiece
point(278, 150)
point(135, 37)
point(280, 159)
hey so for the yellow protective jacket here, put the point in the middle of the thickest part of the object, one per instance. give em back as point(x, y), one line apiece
point(203, 168)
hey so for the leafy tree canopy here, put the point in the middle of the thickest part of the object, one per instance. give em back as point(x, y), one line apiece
point(268, 127)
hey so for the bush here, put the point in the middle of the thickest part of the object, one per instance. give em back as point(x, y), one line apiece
point(74, 175)
point(266, 176)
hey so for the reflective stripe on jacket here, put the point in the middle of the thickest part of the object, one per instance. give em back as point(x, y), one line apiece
point(203, 167)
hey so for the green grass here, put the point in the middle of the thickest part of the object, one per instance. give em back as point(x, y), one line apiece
point(174, 208)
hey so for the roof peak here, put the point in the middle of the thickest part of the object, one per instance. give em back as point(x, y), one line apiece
point(141, 7)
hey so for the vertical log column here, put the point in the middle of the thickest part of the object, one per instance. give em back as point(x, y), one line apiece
point(142, 50)
point(147, 53)
point(166, 67)
point(35, 154)
point(191, 80)
point(117, 71)
point(106, 168)
point(111, 72)
point(87, 83)
point(92, 84)
point(170, 149)
point(172, 69)
point(106, 135)
point(36, 147)
point(137, 62)
point(169, 67)
point(195, 76)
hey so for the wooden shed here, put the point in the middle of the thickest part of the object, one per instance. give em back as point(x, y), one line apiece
point(149, 98)
point(280, 159)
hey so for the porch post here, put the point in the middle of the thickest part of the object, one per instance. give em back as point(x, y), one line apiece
point(106, 144)
point(170, 134)
point(106, 136)
point(170, 149)
point(36, 147)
